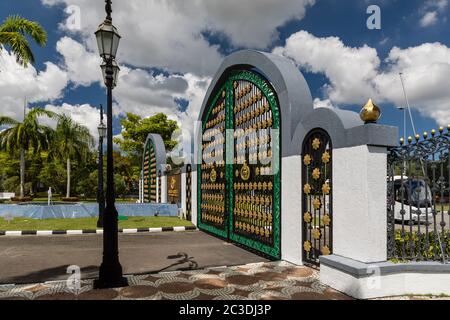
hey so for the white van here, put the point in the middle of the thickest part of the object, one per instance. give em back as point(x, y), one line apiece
point(418, 200)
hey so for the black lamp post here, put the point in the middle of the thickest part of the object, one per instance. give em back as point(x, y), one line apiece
point(102, 130)
point(110, 275)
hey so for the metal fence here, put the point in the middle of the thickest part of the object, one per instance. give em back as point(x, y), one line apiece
point(418, 198)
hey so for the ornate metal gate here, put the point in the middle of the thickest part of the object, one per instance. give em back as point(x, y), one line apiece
point(150, 173)
point(188, 192)
point(317, 188)
point(240, 199)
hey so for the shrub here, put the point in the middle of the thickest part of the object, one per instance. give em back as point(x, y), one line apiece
point(420, 246)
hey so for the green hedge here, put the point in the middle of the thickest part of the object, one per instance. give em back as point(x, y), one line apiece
point(420, 244)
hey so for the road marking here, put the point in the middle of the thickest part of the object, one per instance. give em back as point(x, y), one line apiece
point(130, 230)
point(73, 232)
point(44, 233)
point(13, 233)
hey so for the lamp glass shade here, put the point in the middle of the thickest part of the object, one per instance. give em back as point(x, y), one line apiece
point(115, 69)
point(102, 130)
point(107, 40)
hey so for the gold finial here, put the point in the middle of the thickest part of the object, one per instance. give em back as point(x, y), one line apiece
point(370, 113)
point(448, 127)
point(433, 132)
point(441, 130)
point(402, 141)
point(409, 139)
point(417, 136)
point(425, 135)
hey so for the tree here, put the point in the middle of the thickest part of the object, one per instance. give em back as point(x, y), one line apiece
point(20, 137)
point(136, 130)
point(72, 142)
point(13, 34)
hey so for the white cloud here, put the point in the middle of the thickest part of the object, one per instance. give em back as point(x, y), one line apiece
point(85, 115)
point(356, 74)
point(169, 34)
point(430, 18)
point(18, 83)
point(349, 70)
point(83, 67)
point(432, 11)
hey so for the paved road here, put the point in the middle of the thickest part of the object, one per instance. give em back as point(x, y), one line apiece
point(32, 259)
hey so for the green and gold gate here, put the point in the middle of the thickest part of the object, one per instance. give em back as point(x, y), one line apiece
point(239, 176)
point(317, 188)
point(150, 173)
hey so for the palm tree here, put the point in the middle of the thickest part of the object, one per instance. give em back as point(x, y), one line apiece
point(13, 34)
point(20, 137)
point(72, 142)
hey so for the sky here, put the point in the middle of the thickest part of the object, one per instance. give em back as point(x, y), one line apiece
point(171, 49)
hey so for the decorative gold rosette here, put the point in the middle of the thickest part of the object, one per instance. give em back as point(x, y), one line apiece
point(316, 144)
point(316, 174)
point(307, 160)
point(307, 189)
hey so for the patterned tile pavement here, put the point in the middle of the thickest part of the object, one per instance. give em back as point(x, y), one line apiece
point(260, 281)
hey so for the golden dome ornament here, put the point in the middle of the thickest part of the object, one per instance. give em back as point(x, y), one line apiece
point(370, 113)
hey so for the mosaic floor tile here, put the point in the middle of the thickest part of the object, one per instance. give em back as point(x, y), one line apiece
point(259, 281)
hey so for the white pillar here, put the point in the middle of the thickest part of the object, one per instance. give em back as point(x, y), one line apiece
point(183, 194)
point(194, 198)
point(291, 209)
point(164, 189)
point(359, 203)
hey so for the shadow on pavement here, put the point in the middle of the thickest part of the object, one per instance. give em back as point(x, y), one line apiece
point(51, 274)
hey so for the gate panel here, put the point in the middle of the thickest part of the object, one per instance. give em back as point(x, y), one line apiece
point(255, 202)
point(150, 173)
point(211, 178)
point(240, 201)
point(317, 196)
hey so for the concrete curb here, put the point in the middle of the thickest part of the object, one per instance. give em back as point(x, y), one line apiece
point(98, 231)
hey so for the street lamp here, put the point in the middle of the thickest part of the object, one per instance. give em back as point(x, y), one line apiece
point(110, 274)
point(102, 131)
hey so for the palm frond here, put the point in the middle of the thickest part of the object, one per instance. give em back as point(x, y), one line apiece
point(18, 24)
point(19, 46)
point(7, 121)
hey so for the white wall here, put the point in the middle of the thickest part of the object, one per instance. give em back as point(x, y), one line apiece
point(359, 203)
point(402, 283)
point(183, 193)
point(164, 189)
point(291, 209)
point(194, 197)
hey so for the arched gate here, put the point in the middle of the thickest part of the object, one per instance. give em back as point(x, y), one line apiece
point(240, 172)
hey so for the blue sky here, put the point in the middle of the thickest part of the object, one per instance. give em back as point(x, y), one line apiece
point(162, 79)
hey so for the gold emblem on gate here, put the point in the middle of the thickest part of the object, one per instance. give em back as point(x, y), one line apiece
point(245, 172)
point(213, 176)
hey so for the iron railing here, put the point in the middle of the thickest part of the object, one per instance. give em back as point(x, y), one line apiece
point(418, 198)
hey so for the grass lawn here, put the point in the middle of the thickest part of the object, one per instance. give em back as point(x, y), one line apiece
point(20, 224)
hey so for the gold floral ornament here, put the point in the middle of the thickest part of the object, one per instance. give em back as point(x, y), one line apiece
point(213, 176)
point(326, 188)
point(316, 203)
point(316, 144)
point(307, 217)
point(307, 189)
point(326, 220)
point(316, 233)
point(307, 160)
point(326, 251)
point(326, 157)
point(316, 174)
point(307, 246)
